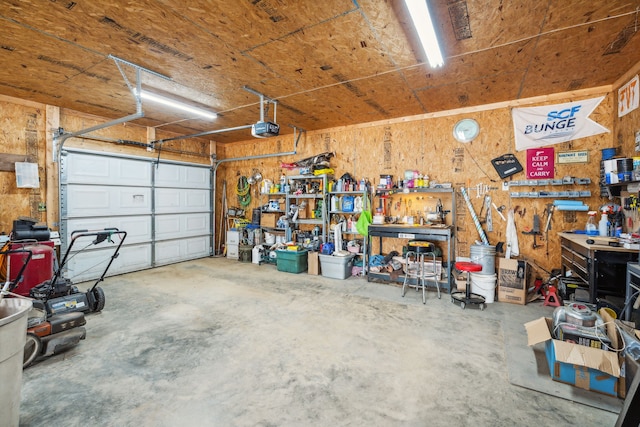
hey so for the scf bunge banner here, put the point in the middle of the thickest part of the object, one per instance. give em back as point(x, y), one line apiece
point(553, 124)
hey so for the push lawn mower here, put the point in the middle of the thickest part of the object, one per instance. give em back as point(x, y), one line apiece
point(59, 295)
point(46, 335)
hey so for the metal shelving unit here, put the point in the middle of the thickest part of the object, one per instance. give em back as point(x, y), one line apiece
point(349, 234)
point(315, 198)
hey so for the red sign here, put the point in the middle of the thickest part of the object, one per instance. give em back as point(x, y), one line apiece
point(540, 163)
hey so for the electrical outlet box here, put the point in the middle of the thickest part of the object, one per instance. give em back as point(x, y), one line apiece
point(505, 186)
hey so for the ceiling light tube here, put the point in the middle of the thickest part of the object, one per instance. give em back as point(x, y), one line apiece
point(422, 22)
point(149, 96)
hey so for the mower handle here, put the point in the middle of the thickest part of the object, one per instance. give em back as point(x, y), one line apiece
point(10, 286)
point(86, 232)
point(101, 236)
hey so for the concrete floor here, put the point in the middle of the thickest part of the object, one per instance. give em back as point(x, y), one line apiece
point(215, 342)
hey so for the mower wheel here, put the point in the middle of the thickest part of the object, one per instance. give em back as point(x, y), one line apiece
point(98, 295)
point(32, 349)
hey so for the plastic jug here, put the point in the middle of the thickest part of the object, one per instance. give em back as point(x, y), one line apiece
point(603, 226)
point(334, 204)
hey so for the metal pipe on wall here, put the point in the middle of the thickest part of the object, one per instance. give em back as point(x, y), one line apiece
point(297, 134)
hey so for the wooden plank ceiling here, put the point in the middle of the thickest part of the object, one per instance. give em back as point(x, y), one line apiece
point(329, 63)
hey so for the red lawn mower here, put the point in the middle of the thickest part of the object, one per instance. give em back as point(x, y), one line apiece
point(46, 335)
point(56, 320)
point(60, 295)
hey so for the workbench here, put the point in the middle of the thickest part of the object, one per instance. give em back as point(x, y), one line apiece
point(432, 233)
point(601, 267)
point(632, 286)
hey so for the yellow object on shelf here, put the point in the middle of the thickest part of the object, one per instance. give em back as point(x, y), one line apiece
point(240, 222)
point(326, 171)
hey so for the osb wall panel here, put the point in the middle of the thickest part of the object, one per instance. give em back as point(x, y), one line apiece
point(427, 145)
point(22, 132)
point(627, 125)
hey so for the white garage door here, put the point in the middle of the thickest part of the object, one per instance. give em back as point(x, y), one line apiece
point(165, 208)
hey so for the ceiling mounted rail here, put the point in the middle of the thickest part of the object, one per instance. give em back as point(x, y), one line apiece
point(262, 129)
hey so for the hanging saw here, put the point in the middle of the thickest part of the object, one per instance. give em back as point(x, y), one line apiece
point(488, 218)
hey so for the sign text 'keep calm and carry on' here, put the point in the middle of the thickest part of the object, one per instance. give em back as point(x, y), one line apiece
point(540, 163)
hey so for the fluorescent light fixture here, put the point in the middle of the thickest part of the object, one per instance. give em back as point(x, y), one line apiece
point(149, 96)
point(423, 24)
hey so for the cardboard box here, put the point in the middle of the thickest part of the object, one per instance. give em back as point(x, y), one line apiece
point(313, 263)
point(584, 367)
point(513, 276)
point(269, 219)
point(303, 211)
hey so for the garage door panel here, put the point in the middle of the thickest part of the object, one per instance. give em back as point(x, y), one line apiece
point(89, 169)
point(138, 228)
point(165, 209)
point(168, 175)
point(173, 200)
point(89, 264)
point(180, 250)
point(98, 200)
point(183, 225)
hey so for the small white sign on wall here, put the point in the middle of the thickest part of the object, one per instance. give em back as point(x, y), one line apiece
point(573, 157)
point(27, 175)
point(629, 97)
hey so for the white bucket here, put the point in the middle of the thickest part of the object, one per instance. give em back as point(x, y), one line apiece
point(269, 239)
point(484, 285)
point(13, 324)
point(484, 255)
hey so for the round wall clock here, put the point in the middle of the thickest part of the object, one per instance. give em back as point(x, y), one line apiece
point(466, 130)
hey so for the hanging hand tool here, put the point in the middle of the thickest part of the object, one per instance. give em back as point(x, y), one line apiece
point(499, 210)
point(480, 217)
point(489, 219)
point(547, 227)
point(535, 230)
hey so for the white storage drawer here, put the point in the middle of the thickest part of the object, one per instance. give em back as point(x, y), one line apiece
point(233, 237)
point(233, 251)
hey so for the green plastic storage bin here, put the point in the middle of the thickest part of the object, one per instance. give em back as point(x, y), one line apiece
point(291, 261)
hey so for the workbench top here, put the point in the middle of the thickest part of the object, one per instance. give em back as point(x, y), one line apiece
point(581, 239)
